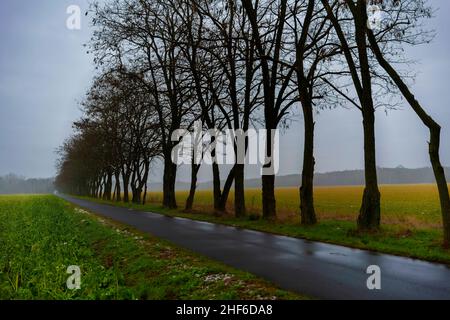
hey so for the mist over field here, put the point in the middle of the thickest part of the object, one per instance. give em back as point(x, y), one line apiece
point(12, 184)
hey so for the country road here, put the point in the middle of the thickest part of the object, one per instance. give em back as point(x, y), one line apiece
point(316, 269)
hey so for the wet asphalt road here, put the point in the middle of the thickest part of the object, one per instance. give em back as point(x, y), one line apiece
point(316, 269)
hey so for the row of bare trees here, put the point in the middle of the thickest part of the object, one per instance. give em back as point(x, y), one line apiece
point(115, 141)
point(234, 64)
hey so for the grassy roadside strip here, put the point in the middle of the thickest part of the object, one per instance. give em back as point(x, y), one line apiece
point(420, 243)
point(40, 236)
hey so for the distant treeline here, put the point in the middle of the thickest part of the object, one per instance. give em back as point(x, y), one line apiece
point(13, 184)
point(399, 175)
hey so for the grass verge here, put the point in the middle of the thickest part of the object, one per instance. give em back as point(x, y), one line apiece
point(420, 243)
point(40, 236)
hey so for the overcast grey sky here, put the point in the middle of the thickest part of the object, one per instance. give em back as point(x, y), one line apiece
point(44, 71)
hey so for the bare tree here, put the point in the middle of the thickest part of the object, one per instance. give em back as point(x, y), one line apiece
point(406, 28)
point(359, 68)
point(268, 23)
point(314, 49)
point(143, 38)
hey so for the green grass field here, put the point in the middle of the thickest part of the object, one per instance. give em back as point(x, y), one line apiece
point(40, 236)
point(411, 219)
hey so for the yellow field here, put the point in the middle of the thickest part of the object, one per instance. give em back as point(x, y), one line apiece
point(409, 205)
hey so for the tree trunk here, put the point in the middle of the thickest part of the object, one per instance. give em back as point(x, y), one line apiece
point(305, 89)
point(239, 192)
point(268, 197)
point(307, 212)
point(226, 190)
point(108, 187)
point(144, 181)
point(133, 192)
point(100, 189)
point(144, 197)
point(126, 183)
point(95, 189)
point(190, 200)
point(118, 191)
point(268, 179)
point(136, 187)
point(137, 193)
point(441, 181)
point(435, 134)
point(369, 214)
point(170, 171)
point(216, 186)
